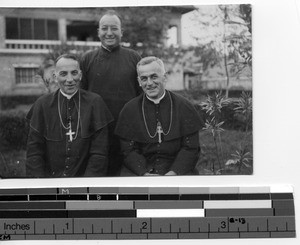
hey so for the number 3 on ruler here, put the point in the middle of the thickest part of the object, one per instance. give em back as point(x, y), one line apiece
point(223, 224)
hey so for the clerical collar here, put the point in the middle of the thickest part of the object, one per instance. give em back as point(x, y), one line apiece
point(109, 50)
point(68, 96)
point(156, 101)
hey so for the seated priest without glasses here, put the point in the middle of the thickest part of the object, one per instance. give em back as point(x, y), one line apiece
point(68, 135)
point(158, 130)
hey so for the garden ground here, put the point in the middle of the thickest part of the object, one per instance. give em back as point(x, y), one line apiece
point(12, 162)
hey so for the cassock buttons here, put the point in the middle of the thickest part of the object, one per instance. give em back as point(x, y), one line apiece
point(187, 140)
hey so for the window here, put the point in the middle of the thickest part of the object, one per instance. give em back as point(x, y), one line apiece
point(172, 36)
point(26, 28)
point(25, 75)
point(39, 29)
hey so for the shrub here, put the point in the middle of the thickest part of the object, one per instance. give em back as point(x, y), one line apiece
point(233, 120)
point(13, 129)
point(9, 102)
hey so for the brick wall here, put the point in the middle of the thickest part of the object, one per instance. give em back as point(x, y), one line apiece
point(7, 73)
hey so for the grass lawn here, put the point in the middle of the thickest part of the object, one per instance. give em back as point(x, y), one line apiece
point(12, 162)
point(230, 142)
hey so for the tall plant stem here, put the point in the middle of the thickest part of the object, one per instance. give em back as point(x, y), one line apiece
point(221, 147)
point(225, 56)
point(216, 145)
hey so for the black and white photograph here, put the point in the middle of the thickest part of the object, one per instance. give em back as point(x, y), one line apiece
point(161, 122)
point(126, 91)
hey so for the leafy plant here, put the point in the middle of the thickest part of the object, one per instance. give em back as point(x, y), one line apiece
point(241, 158)
point(213, 107)
point(244, 108)
point(13, 129)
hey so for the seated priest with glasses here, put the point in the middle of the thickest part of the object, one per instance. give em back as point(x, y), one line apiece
point(158, 130)
point(68, 135)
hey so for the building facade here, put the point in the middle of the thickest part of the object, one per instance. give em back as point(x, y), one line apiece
point(27, 35)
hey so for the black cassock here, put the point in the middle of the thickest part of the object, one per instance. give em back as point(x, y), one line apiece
point(179, 148)
point(51, 152)
point(112, 75)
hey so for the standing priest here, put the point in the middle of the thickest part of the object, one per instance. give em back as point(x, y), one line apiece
point(159, 130)
point(68, 128)
point(110, 71)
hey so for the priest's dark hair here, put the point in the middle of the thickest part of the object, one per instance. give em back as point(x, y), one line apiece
point(149, 60)
point(112, 12)
point(67, 56)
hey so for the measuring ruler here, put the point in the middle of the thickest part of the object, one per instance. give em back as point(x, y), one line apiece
point(146, 213)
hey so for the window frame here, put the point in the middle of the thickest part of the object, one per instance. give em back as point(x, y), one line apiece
point(34, 68)
point(46, 23)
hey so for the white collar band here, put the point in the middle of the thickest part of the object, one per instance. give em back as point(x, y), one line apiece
point(156, 101)
point(68, 96)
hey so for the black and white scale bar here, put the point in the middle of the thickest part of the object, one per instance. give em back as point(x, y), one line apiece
point(66, 214)
point(279, 207)
point(53, 197)
point(147, 193)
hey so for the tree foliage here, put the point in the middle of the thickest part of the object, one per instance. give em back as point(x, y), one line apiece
point(224, 30)
point(145, 28)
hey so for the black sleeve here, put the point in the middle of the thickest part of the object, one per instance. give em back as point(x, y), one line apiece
point(133, 160)
point(188, 155)
point(98, 161)
point(35, 159)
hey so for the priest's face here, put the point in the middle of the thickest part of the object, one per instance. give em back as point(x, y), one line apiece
point(67, 75)
point(152, 79)
point(110, 31)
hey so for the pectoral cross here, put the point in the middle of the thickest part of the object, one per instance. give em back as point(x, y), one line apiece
point(159, 131)
point(70, 134)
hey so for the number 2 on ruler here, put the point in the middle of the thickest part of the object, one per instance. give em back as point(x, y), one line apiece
point(144, 225)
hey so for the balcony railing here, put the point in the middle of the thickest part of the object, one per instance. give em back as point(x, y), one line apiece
point(44, 46)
